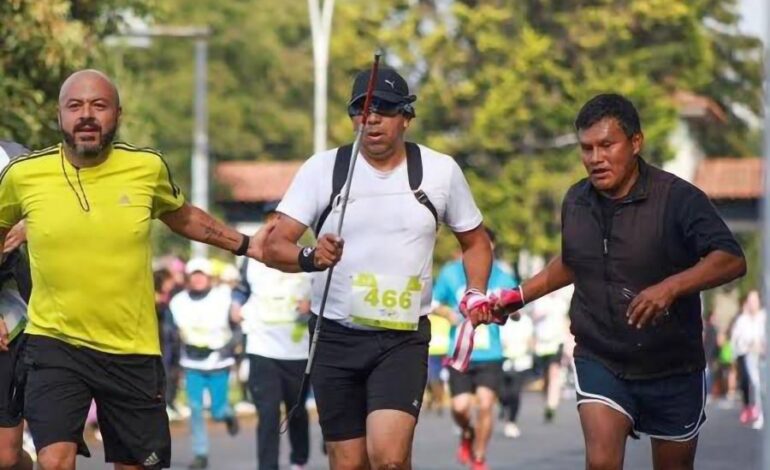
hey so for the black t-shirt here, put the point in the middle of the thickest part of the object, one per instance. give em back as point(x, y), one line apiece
point(693, 226)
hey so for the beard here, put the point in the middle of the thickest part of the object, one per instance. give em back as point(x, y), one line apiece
point(90, 149)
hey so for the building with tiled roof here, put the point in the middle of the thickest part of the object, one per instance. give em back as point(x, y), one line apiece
point(734, 184)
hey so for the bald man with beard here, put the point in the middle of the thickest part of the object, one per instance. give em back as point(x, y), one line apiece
point(88, 204)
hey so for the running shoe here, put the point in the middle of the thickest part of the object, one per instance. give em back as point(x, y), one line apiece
point(29, 445)
point(232, 425)
point(745, 416)
point(511, 431)
point(479, 465)
point(549, 414)
point(754, 413)
point(465, 450)
point(199, 462)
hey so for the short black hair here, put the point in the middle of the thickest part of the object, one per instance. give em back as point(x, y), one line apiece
point(610, 105)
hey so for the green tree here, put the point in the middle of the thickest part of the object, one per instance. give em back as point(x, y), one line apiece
point(43, 41)
point(500, 83)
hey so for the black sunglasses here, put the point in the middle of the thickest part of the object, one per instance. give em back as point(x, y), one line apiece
point(378, 106)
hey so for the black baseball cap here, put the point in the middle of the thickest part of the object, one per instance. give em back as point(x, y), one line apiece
point(390, 86)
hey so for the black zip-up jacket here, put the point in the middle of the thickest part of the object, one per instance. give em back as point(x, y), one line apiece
point(616, 249)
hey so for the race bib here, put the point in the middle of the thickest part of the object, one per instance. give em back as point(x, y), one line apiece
point(384, 301)
point(204, 337)
point(481, 337)
point(279, 304)
point(14, 311)
point(277, 309)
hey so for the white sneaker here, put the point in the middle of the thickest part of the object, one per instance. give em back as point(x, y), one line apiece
point(183, 410)
point(759, 422)
point(310, 403)
point(28, 445)
point(511, 431)
point(172, 414)
point(243, 408)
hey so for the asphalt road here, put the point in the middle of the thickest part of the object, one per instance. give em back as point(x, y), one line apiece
point(724, 444)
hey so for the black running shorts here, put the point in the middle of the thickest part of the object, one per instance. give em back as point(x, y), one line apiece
point(356, 372)
point(128, 389)
point(9, 418)
point(488, 374)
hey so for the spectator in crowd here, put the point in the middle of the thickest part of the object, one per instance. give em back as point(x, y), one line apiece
point(518, 341)
point(202, 314)
point(750, 346)
point(551, 331)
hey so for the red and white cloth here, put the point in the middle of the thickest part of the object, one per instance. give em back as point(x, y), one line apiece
point(509, 300)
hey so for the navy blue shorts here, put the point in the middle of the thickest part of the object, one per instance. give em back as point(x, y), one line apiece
point(669, 408)
point(435, 365)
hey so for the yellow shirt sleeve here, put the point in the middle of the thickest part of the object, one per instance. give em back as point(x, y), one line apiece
point(167, 195)
point(10, 204)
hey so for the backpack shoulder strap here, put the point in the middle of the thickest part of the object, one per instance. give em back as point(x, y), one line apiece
point(414, 170)
point(339, 175)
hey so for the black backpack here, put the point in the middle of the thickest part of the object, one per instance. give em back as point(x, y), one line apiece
point(413, 169)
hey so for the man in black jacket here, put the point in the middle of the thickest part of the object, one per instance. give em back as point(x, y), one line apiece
point(640, 245)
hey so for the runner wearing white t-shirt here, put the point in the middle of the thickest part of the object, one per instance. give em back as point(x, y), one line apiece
point(272, 308)
point(749, 347)
point(551, 323)
point(370, 367)
point(202, 314)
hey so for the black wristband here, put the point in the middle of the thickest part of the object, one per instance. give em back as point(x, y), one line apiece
point(305, 260)
point(244, 246)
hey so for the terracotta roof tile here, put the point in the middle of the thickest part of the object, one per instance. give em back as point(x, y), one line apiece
point(730, 178)
point(256, 181)
point(696, 106)
point(719, 178)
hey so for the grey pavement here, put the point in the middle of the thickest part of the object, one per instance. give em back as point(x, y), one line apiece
point(724, 444)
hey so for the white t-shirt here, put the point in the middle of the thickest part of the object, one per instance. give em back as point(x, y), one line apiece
point(516, 338)
point(204, 323)
point(270, 318)
point(748, 335)
point(550, 315)
point(386, 230)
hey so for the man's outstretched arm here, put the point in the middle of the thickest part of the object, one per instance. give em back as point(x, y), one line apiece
point(198, 225)
point(553, 277)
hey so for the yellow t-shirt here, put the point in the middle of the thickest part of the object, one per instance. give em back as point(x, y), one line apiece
point(88, 234)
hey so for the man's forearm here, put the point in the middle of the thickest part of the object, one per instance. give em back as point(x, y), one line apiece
point(196, 224)
point(477, 261)
point(552, 278)
point(717, 268)
point(283, 255)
